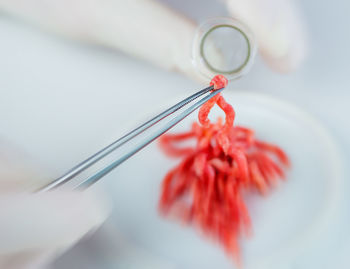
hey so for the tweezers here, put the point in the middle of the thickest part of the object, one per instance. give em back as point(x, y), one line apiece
point(81, 181)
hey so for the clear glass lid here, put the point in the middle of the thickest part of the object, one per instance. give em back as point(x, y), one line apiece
point(223, 46)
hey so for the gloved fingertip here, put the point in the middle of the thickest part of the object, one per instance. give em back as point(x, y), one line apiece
point(279, 29)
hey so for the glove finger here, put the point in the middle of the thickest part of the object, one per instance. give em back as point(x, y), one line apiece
point(278, 28)
point(142, 28)
point(51, 220)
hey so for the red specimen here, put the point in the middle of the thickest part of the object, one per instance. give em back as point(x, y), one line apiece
point(208, 187)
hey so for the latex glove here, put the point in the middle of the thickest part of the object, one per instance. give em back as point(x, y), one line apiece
point(150, 30)
point(36, 228)
point(278, 28)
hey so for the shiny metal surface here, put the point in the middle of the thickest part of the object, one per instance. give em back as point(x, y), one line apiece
point(100, 155)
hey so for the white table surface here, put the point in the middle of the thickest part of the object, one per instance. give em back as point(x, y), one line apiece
point(48, 85)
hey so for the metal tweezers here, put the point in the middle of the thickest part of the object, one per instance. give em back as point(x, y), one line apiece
point(82, 182)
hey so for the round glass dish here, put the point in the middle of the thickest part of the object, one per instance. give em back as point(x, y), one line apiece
point(288, 222)
point(223, 46)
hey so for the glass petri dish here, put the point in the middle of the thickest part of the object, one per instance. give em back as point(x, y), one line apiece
point(223, 46)
point(286, 223)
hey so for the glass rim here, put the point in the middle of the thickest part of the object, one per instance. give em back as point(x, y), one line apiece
point(199, 59)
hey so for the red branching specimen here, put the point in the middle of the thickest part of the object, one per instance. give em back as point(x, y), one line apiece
point(207, 188)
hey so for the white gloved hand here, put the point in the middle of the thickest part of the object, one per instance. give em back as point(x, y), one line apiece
point(278, 28)
point(36, 228)
point(150, 30)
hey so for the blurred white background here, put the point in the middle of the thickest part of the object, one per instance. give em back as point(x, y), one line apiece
point(61, 101)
